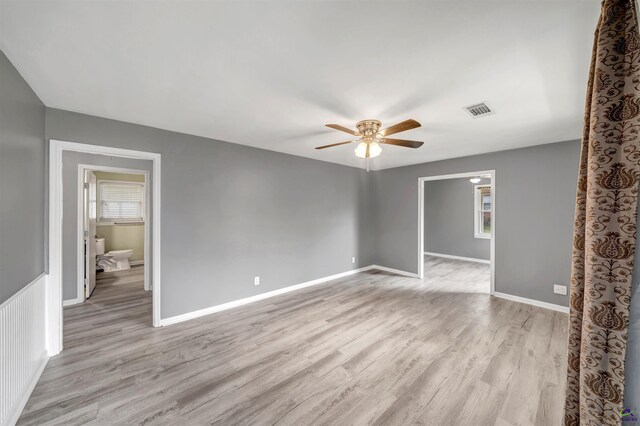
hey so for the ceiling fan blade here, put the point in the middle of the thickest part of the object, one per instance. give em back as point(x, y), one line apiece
point(333, 144)
point(403, 142)
point(343, 129)
point(400, 127)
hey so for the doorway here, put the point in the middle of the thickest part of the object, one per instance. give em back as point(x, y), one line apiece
point(113, 225)
point(55, 277)
point(467, 245)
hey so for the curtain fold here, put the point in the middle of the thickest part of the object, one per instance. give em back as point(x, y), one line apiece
point(605, 222)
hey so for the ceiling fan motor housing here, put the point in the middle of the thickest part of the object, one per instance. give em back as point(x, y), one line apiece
point(368, 128)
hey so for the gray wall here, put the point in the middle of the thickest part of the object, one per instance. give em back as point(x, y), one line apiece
point(232, 212)
point(22, 169)
point(70, 162)
point(449, 219)
point(535, 195)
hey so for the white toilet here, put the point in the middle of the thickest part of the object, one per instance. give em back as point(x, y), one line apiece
point(115, 260)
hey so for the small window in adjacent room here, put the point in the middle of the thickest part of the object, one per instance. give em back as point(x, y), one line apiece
point(482, 211)
point(120, 201)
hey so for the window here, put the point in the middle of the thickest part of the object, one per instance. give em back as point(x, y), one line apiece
point(482, 211)
point(120, 201)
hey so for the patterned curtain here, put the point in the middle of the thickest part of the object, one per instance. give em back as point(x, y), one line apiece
point(605, 222)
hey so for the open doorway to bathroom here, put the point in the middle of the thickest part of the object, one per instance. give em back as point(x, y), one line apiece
point(457, 231)
point(120, 310)
point(114, 216)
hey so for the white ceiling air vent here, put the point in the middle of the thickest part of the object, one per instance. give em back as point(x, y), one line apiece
point(479, 110)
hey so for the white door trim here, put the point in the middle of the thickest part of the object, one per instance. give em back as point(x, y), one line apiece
point(421, 182)
point(54, 286)
point(82, 168)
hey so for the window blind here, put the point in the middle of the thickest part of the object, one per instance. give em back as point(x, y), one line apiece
point(121, 201)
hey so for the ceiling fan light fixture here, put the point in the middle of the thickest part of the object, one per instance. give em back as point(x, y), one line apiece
point(371, 137)
point(361, 150)
point(374, 150)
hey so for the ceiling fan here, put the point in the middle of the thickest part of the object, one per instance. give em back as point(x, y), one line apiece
point(370, 137)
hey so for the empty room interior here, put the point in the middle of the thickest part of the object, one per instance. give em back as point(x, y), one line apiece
point(457, 238)
point(319, 212)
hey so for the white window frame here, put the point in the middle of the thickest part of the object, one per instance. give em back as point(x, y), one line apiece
point(99, 220)
point(477, 209)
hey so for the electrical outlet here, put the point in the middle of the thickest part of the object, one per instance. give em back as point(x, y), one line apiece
point(256, 281)
point(353, 260)
point(560, 289)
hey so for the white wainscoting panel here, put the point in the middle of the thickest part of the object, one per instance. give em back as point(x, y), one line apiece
point(23, 352)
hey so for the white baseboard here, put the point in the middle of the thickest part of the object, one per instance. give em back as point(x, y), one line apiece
point(394, 271)
point(229, 305)
point(71, 302)
point(450, 256)
point(559, 308)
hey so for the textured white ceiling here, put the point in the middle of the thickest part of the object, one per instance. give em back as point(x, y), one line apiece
point(271, 74)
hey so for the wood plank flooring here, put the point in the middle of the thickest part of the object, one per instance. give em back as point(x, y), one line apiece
point(373, 348)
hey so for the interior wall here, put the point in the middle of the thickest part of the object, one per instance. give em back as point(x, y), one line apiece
point(449, 219)
point(22, 182)
point(123, 236)
point(535, 195)
point(70, 162)
point(121, 177)
point(232, 212)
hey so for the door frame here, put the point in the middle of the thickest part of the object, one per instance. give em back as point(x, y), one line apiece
point(82, 168)
point(54, 278)
point(492, 250)
point(88, 177)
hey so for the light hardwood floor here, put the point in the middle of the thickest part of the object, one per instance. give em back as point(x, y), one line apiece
point(373, 348)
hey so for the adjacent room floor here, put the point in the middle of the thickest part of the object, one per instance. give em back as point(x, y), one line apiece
point(373, 348)
point(468, 277)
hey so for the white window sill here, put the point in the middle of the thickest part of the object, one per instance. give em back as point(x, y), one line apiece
point(482, 236)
